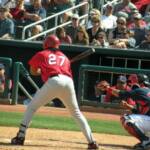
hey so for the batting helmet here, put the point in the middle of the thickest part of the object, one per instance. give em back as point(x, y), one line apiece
point(143, 78)
point(51, 41)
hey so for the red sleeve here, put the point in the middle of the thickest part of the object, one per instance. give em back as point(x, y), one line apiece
point(36, 60)
point(131, 102)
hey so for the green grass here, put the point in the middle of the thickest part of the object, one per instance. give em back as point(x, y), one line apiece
point(61, 123)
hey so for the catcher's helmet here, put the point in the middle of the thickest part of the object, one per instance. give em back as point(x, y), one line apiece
point(51, 41)
point(143, 78)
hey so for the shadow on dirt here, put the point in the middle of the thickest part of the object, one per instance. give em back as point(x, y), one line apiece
point(122, 147)
point(30, 146)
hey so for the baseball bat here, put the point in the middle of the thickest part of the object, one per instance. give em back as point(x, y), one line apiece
point(83, 55)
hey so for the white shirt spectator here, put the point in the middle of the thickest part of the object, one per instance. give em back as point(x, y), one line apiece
point(93, 12)
point(109, 22)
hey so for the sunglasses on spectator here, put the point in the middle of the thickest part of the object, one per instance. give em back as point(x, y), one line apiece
point(80, 31)
point(74, 19)
point(100, 37)
point(121, 23)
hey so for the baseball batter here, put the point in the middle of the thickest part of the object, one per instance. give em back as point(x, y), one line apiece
point(137, 123)
point(54, 68)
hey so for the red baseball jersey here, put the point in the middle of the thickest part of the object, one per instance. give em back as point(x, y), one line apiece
point(51, 62)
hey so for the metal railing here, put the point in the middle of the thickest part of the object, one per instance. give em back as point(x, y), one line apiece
point(18, 70)
point(50, 17)
point(111, 2)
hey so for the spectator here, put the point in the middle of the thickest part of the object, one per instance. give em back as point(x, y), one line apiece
point(108, 19)
point(6, 25)
point(121, 37)
point(72, 29)
point(55, 6)
point(141, 5)
point(119, 31)
point(136, 19)
point(96, 4)
point(52, 7)
point(35, 13)
point(127, 41)
point(36, 30)
point(121, 85)
point(131, 18)
point(84, 9)
point(65, 4)
point(18, 13)
point(101, 40)
point(93, 13)
point(82, 36)
point(146, 43)
point(125, 6)
point(139, 29)
point(93, 31)
point(63, 37)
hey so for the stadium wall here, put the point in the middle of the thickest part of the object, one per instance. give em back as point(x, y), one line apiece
point(23, 51)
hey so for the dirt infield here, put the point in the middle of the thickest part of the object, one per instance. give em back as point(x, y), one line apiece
point(43, 139)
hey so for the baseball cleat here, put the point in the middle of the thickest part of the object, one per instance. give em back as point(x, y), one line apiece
point(93, 146)
point(146, 144)
point(138, 146)
point(17, 140)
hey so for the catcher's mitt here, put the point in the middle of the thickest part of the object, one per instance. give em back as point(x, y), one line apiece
point(102, 85)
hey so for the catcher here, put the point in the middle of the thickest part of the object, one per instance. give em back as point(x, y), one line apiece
point(137, 123)
point(55, 70)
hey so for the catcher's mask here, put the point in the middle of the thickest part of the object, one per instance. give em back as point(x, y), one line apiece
point(143, 78)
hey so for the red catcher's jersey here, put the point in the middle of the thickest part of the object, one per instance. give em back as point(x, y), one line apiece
point(51, 62)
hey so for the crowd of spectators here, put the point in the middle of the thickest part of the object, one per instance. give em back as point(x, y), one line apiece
point(125, 24)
